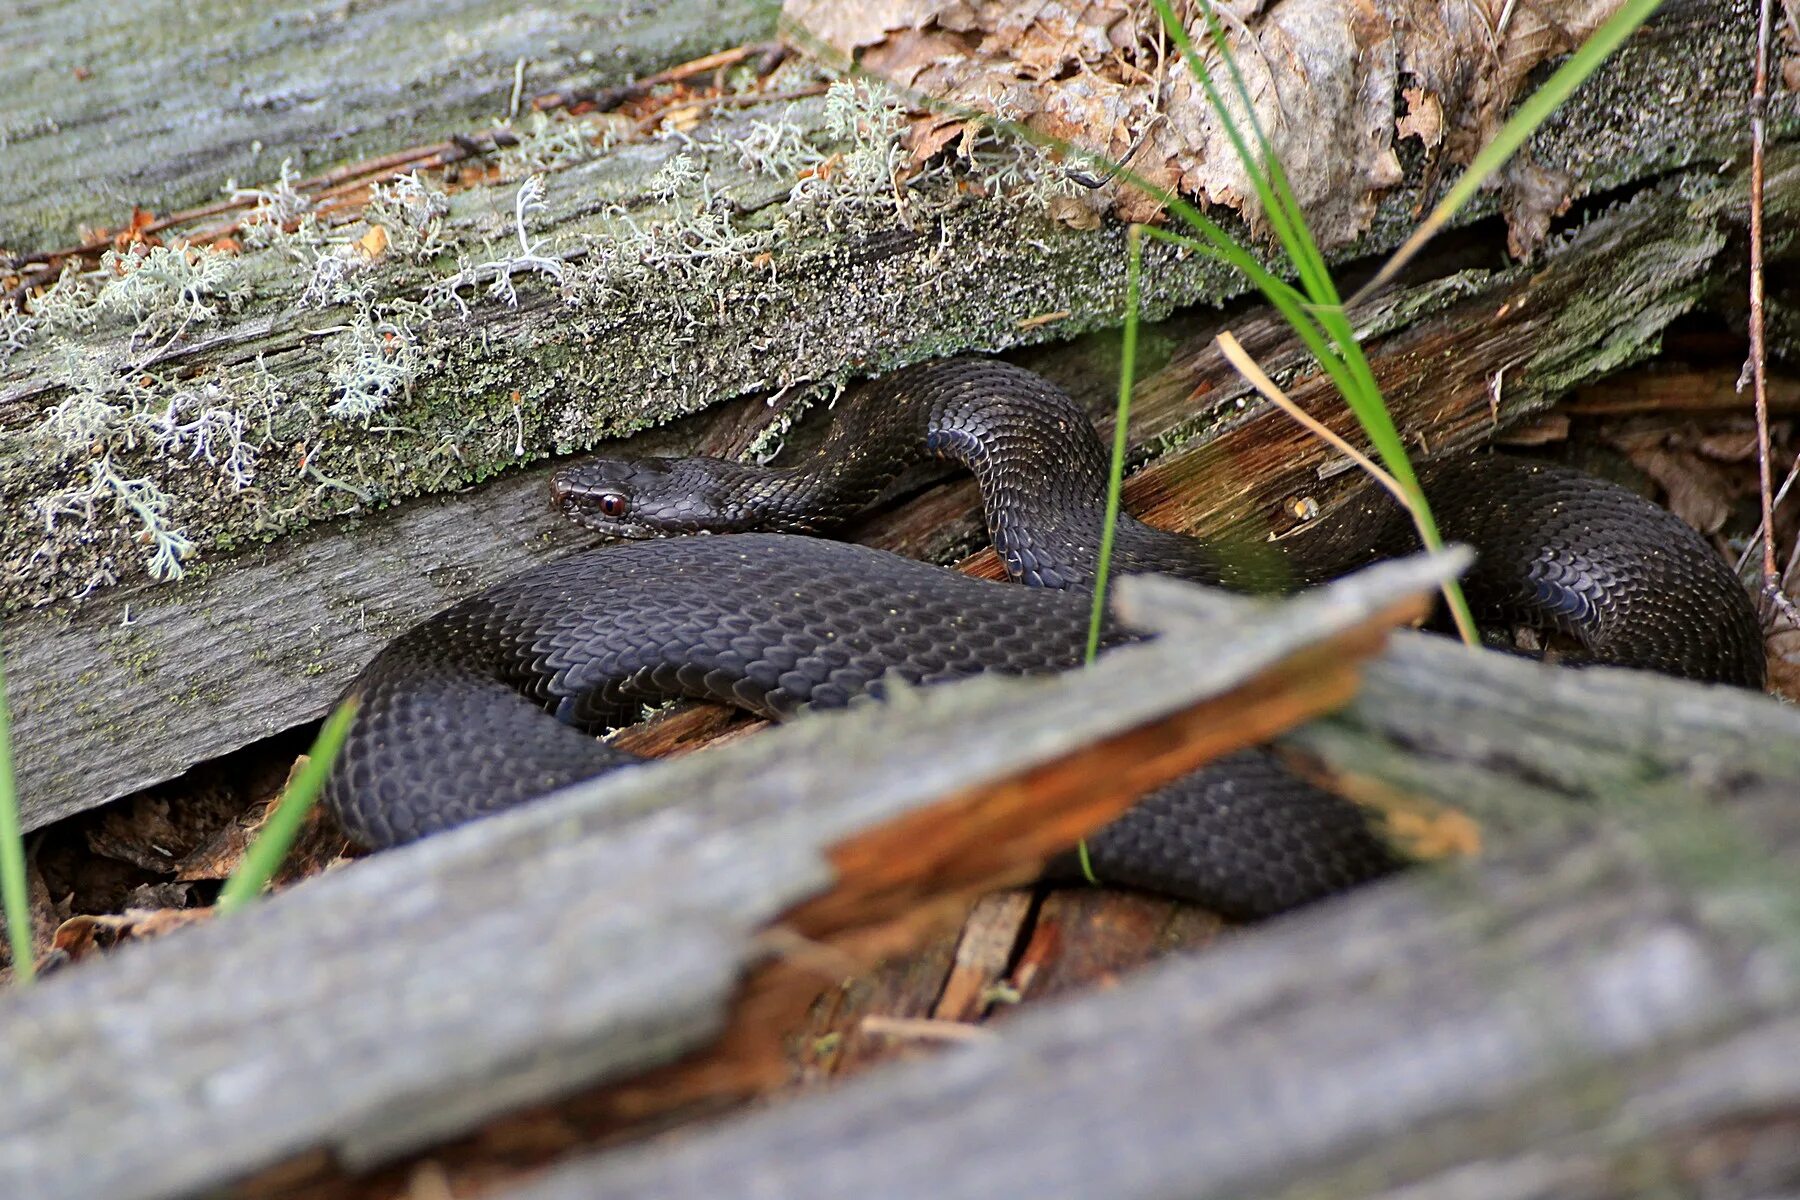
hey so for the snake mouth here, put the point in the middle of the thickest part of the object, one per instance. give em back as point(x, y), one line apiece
point(608, 529)
point(575, 509)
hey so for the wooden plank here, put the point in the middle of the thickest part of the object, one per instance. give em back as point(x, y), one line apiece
point(1598, 1009)
point(600, 933)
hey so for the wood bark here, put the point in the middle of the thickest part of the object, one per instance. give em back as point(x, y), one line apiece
point(1609, 998)
point(157, 104)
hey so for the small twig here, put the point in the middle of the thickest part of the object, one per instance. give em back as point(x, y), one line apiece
point(1500, 26)
point(1238, 357)
point(925, 1029)
point(705, 104)
point(1783, 606)
point(326, 481)
point(1093, 183)
point(1757, 367)
point(518, 89)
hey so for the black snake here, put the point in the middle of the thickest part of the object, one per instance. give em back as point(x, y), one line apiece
point(456, 715)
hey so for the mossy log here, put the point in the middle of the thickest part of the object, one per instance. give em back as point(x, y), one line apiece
point(354, 351)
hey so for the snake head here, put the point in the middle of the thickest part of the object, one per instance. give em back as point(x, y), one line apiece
point(650, 497)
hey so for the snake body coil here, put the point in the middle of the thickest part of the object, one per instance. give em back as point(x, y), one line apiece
point(453, 719)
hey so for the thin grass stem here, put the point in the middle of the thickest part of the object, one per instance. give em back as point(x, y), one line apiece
point(1115, 480)
point(1237, 356)
point(1280, 207)
point(13, 895)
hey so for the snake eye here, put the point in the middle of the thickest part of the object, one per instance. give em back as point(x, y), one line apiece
point(614, 505)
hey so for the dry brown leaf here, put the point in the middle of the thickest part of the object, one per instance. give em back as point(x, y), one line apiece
point(373, 243)
point(1783, 647)
point(1424, 117)
point(80, 936)
point(1535, 196)
point(1699, 492)
point(1728, 446)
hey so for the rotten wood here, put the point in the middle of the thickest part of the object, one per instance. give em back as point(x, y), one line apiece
point(984, 951)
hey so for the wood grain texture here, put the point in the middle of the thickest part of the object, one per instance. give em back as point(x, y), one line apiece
point(157, 104)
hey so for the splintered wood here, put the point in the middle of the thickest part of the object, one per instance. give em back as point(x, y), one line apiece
point(645, 942)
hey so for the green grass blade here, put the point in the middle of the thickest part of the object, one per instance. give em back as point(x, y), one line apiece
point(1115, 481)
point(271, 846)
point(1266, 173)
point(1281, 212)
point(1290, 304)
point(1320, 329)
point(13, 896)
point(1535, 110)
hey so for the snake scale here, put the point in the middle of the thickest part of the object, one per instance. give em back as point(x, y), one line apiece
point(495, 701)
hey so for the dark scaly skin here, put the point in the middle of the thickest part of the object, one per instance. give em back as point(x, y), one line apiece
point(453, 722)
point(453, 719)
point(1559, 550)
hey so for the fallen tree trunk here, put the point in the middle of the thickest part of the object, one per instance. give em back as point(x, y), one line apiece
point(1605, 1005)
point(344, 358)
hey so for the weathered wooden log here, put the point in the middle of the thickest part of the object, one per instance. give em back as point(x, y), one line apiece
point(1607, 1006)
point(158, 106)
point(143, 682)
point(188, 403)
point(596, 934)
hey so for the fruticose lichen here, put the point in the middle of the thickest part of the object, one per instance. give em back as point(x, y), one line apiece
point(434, 336)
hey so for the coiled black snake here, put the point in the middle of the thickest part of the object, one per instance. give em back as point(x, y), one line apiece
point(456, 715)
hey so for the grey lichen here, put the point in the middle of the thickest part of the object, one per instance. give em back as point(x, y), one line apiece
point(373, 359)
point(498, 273)
point(107, 418)
point(554, 141)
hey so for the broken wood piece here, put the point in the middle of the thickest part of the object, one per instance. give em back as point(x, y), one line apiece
point(1611, 994)
point(983, 953)
point(604, 931)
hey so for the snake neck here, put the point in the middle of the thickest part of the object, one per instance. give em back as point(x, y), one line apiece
point(1041, 469)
